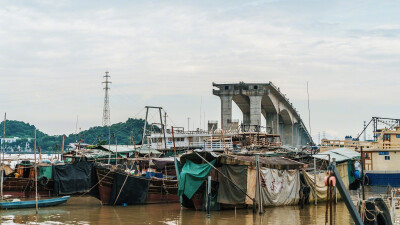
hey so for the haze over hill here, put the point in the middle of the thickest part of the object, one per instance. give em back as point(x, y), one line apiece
point(120, 133)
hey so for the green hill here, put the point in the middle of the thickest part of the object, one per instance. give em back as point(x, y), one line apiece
point(120, 132)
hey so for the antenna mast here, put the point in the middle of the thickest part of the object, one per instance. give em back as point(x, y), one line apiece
point(106, 109)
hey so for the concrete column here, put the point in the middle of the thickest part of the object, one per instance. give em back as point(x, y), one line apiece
point(272, 121)
point(255, 110)
point(278, 129)
point(296, 135)
point(246, 118)
point(287, 134)
point(226, 111)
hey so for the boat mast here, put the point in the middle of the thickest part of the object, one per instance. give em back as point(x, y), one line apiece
point(2, 157)
point(144, 127)
point(163, 128)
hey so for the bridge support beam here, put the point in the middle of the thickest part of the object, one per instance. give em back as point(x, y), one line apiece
point(255, 111)
point(226, 111)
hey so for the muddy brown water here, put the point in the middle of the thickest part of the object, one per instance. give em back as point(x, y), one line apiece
point(88, 210)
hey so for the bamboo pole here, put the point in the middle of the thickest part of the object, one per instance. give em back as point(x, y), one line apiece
point(36, 191)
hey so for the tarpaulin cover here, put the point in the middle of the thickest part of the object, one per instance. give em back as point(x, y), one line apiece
point(228, 193)
point(279, 187)
point(134, 191)
point(321, 188)
point(72, 178)
point(192, 176)
point(350, 172)
point(162, 162)
point(46, 171)
point(7, 170)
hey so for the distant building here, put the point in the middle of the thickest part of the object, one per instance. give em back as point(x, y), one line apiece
point(9, 140)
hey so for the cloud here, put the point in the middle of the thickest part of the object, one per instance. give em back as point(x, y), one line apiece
point(54, 56)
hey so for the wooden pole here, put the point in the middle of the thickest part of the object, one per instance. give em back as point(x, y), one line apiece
point(144, 127)
point(163, 128)
point(362, 173)
point(36, 190)
point(116, 150)
point(315, 181)
point(133, 141)
point(209, 196)
point(62, 148)
point(2, 157)
point(258, 183)
point(173, 140)
point(40, 154)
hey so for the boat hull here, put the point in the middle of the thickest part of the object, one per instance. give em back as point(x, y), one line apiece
point(160, 191)
point(25, 187)
point(383, 178)
point(32, 204)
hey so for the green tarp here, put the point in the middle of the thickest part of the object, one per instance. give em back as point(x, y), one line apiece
point(351, 172)
point(46, 171)
point(192, 176)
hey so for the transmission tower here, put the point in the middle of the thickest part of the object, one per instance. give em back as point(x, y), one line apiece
point(106, 109)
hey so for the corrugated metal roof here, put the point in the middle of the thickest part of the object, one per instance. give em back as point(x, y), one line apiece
point(146, 149)
point(128, 149)
point(340, 154)
point(119, 148)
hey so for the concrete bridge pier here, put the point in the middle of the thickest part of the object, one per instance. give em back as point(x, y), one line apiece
point(287, 134)
point(246, 118)
point(226, 110)
point(255, 112)
point(272, 121)
point(296, 135)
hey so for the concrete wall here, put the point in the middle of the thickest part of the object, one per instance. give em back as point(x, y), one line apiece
point(380, 164)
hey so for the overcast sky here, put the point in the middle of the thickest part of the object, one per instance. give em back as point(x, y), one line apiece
point(53, 55)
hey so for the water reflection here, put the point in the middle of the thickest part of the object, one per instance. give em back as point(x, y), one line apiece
point(87, 210)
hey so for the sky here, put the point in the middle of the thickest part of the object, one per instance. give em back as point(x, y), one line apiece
point(53, 55)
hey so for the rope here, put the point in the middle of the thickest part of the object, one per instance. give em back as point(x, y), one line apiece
point(329, 204)
point(120, 190)
point(364, 212)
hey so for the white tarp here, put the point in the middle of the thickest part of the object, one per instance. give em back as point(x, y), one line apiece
point(321, 188)
point(278, 187)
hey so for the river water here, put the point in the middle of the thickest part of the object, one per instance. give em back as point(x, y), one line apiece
point(88, 210)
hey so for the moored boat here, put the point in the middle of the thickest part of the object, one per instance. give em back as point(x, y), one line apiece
point(117, 186)
point(32, 203)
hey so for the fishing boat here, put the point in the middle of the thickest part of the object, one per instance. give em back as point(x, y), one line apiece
point(32, 203)
point(122, 186)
